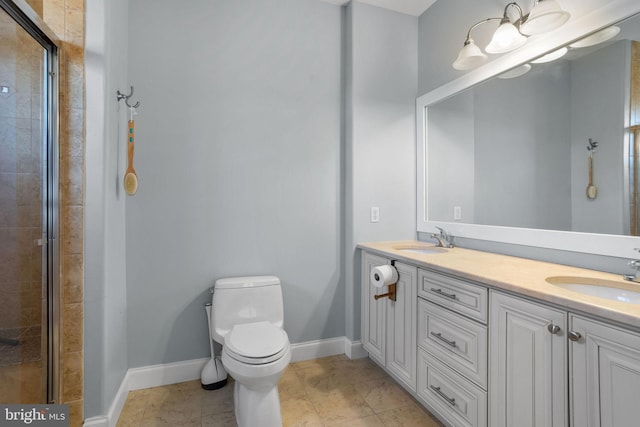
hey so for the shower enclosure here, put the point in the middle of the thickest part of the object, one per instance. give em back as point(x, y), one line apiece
point(29, 297)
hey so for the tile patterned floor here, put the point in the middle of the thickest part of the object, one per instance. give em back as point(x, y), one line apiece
point(332, 391)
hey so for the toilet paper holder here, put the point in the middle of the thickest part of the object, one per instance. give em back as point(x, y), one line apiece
point(391, 294)
point(385, 275)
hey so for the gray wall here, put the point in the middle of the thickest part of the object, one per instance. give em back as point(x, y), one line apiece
point(597, 112)
point(380, 92)
point(105, 319)
point(242, 164)
point(239, 162)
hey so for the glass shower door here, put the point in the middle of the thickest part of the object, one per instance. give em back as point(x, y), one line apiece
point(24, 214)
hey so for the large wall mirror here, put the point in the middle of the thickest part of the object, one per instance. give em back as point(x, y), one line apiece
point(542, 153)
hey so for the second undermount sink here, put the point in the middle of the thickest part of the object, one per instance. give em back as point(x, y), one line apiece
point(420, 249)
point(600, 288)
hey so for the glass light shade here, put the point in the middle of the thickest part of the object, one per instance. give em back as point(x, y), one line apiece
point(599, 37)
point(545, 16)
point(515, 72)
point(505, 39)
point(470, 56)
point(556, 54)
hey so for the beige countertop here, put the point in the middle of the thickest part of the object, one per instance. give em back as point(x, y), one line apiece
point(518, 275)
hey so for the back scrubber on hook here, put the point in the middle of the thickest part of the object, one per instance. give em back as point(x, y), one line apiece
point(130, 176)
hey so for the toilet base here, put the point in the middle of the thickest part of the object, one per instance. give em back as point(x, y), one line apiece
point(257, 407)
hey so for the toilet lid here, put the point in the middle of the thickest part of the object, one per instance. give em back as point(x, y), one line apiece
point(259, 342)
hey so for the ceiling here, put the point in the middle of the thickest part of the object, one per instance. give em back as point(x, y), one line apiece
point(410, 7)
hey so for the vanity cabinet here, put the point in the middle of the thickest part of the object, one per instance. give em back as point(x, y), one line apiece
point(528, 363)
point(605, 374)
point(478, 357)
point(389, 327)
point(452, 354)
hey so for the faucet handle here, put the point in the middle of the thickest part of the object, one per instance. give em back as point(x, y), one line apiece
point(442, 232)
point(635, 264)
point(443, 238)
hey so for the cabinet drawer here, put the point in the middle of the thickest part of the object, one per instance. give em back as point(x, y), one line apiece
point(459, 342)
point(458, 295)
point(454, 398)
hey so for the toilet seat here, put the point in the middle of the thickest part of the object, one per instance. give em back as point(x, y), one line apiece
point(256, 343)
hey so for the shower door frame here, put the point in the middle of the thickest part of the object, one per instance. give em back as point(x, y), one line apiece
point(33, 24)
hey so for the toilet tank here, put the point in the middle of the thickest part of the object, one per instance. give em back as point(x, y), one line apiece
point(244, 300)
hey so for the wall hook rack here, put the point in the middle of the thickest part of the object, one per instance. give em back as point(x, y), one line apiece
point(120, 96)
point(592, 145)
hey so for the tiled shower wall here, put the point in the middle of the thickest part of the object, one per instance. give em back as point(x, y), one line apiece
point(635, 83)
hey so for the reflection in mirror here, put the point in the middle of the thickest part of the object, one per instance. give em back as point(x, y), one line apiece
point(634, 140)
point(519, 151)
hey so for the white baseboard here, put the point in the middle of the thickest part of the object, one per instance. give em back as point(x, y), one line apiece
point(169, 373)
point(111, 419)
point(354, 349)
point(317, 349)
point(101, 421)
point(189, 370)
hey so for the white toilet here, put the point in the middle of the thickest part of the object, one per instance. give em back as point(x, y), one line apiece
point(247, 318)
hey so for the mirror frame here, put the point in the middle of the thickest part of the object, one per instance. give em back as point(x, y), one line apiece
point(601, 244)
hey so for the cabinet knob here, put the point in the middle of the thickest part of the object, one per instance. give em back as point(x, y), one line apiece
point(574, 336)
point(554, 329)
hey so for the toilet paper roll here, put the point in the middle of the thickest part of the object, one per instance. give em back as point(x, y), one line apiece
point(384, 275)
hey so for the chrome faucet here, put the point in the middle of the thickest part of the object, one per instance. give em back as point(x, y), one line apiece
point(444, 240)
point(635, 264)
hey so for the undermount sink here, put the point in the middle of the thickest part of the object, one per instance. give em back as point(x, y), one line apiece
point(420, 249)
point(600, 288)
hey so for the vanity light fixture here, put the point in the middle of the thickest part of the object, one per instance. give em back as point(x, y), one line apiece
point(546, 15)
point(507, 37)
point(470, 55)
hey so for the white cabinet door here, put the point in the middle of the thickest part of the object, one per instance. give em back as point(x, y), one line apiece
point(528, 364)
point(373, 327)
point(401, 326)
point(605, 375)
